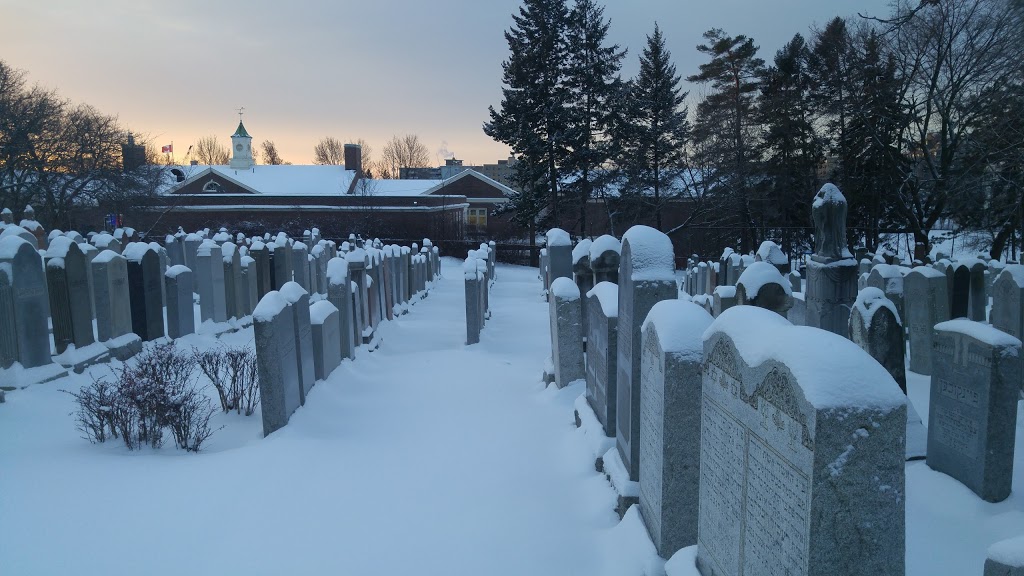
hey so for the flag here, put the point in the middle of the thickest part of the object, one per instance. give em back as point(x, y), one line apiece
point(169, 149)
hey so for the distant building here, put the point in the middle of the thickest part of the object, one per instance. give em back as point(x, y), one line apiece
point(500, 172)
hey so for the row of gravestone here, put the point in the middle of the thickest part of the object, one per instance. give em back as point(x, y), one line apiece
point(687, 403)
point(479, 276)
point(703, 278)
point(299, 343)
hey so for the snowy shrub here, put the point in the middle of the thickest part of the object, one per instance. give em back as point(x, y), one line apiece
point(232, 371)
point(156, 392)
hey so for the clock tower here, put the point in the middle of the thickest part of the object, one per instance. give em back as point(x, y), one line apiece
point(241, 148)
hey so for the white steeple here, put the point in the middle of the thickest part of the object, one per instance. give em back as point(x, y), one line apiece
point(241, 147)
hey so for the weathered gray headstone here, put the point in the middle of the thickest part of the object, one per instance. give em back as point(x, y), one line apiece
point(326, 337)
point(972, 411)
point(889, 279)
point(670, 376)
point(261, 254)
point(277, 361)
point(250, 292)
point(877, 328)
point(724, 298)
point(300, 261)
point(68, 288)
point(559, 247)
point(927, 303)
point(339, 293)
point(831, 271)
point(961, 296)
point(181, 318)
point(1008, 301)
point(1005, 558)
point(565, 313)
point(144, 289)
point(8, 331)
point(474, 279)
point(761, 284)
point(113, 305)
point(234, 290)
point(646, 276)
point(298, 303)
point(192, 243)
point(797, 475)
point(602, 339)
point(282, 264)
point(212, 296)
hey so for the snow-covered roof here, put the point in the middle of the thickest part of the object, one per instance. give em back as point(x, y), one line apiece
point(277, 180)
point(382, 187)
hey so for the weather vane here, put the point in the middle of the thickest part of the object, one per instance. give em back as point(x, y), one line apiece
point(240, 110)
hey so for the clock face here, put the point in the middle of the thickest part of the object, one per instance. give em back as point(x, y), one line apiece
point(238, 147)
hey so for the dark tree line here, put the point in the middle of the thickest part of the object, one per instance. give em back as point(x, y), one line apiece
point(60, 156)
point(917, 117)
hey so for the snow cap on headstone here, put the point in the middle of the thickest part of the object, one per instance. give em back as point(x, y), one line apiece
point(604, 244)
point(869, 300)
point(757, 275)
point(564, 288)
point(558, 237)
point(581, 250)
point(653, 257)
point(680, 325)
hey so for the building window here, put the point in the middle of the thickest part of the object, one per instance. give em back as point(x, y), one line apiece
point(477, 218)
point(212, 187)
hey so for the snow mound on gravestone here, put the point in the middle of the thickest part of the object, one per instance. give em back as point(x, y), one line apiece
point(1009, 552)
point(206, 248)
point(272, 304)
point(870, 300)
point(558, 237)
point(680, 325)
point(832, 371)
point(293, 292)
point(759, 274)
point(106, 256)
point(337, 270)
point(176, 270)
point(771, 253)
point(653, 257)
point(929, 272)
point(134, 251)
point(1015, 271)
point(605, 243)
point(246, 260)
point(607, 294)
point(59, 247)
point(356, 255)
point(565, 289)
point(982, 332)
point(727, 291)
point(319, 311)
point(581, 250)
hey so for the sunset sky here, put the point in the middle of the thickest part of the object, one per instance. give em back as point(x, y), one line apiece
point(176, 71)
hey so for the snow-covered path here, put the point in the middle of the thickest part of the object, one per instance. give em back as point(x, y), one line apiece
point(424, 457)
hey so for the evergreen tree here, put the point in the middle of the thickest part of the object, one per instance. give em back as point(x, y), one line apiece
point(732, 72)
point(653, 135)
point(532, 119)
point(789, 148)
point(592, 78)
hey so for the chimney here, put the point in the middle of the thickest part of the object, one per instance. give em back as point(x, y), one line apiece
point(354, 159)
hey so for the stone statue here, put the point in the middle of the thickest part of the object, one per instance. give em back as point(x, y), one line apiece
point(829, 214)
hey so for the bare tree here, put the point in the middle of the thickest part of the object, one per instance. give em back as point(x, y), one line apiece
point(329, 151)
point(208, 150)
point(270, 154)
point(404, 152)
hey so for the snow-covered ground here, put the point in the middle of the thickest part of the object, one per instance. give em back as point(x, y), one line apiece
point(424, 457)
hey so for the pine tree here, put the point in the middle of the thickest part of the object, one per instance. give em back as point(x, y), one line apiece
point(592, 78)
point(790, 148)
point(655, 130)
point(532, 119)
point(733, 73)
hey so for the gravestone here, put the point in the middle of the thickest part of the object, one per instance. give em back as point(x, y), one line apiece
point(581, 271)
point(144, 289)
point(339, 293)
point(724, 298)
point(646, 276)
point(1008, 301)
point(250, 293)
point(212, 296)
point(972, 411)
point(565, 313)
point(761, 284)
point(298, 303)
point(1005, 558)
point(28, 284)
point(831, 271)
point(282, 264)
point(889, 279)
point(68, 287)
point(357, 272)
point(326, 332)
point(300, 264)
point(961, 297)
point(181, 318)
point(771, 253)
point(259, 252)
point(876, 326)
point(927, 303)
point(8, 331)
point(175, 246)
point(113, 305)
point(602, 338)
point(192, 243)
point(474, 279)
point(559, 247)
point(797, 475)
point(277, 361)
point(234, 290)
point(978, 301)
point(670, 376)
